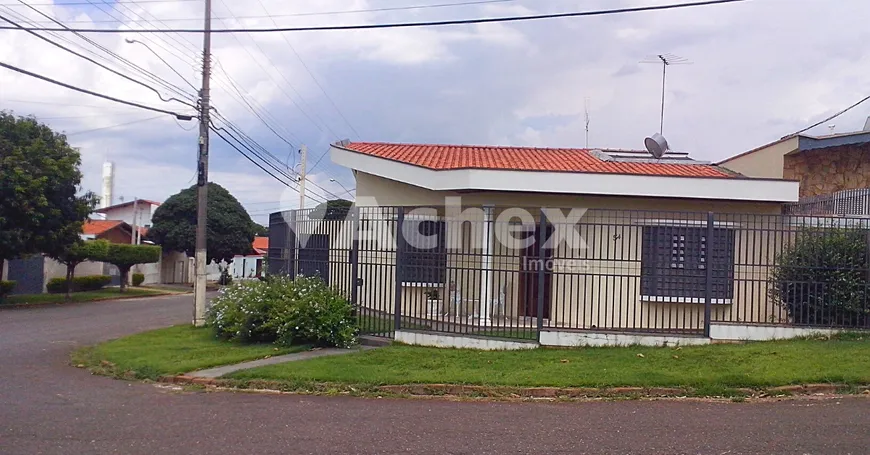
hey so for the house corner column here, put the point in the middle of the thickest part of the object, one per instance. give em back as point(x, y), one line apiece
point(485, 318)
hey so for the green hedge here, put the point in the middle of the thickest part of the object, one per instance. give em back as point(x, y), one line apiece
point(80, 284)
point(138, 279)
point(6, 288)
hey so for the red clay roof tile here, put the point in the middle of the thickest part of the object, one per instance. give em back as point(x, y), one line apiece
point(449, 157)
point(97, 227)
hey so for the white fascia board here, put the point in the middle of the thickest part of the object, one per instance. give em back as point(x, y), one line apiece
point(731, 189)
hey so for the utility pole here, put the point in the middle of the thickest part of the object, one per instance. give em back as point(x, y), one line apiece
point(135, 212)
point(202, 171)
point(303, 163)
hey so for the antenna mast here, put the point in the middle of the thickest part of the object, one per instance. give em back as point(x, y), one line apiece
point(665, 60)
point(586, 108)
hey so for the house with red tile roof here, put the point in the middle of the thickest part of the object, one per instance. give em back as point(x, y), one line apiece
point(251, 265)
point(115, 231)
point(639, 220)
point(414, 174)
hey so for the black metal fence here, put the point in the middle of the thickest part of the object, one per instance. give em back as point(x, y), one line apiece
point(854, 202)
point(512, 273)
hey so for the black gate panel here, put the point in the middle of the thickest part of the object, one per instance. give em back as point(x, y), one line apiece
point(314, 256)
point(28, 275)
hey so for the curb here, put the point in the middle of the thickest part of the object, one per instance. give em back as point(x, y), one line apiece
point(474, 391)
point(107, 299)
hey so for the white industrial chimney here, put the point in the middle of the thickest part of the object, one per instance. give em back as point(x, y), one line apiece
point(108, 184)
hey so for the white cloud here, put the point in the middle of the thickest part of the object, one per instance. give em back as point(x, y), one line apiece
point(761, 70)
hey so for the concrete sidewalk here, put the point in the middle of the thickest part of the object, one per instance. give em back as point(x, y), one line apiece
point(217, 372)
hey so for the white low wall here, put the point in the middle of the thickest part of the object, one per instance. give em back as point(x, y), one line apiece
point(575, 339)
point(754, 332)
point(443, 340)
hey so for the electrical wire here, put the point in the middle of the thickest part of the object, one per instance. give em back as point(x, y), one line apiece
point(61, 46)
point(863, 100)
point(119, 2)
point(312, 13)
point(321, 28)
point(218, 130)
point(157, 79)
point(114, 126)
point(313, 77)
point(287, 81)
point(99, 95)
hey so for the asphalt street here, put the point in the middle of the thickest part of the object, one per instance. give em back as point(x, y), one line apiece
point(49, 407)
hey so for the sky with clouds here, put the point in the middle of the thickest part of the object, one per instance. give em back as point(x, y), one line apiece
point(759, 70)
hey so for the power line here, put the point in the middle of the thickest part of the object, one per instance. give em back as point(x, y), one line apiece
point(52, 103)
point(136, 2)
point(114, 126)
point(863, 100)
point(167, 85)
point(322, 28)
point(273, 161)
point(269, 75)
point(99, 95)
point(61, 46)
point(310, 73)
point(218, 132)
point(312, 13)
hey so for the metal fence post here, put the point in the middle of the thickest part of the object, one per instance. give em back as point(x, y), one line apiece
point(397, 304)
point(354, 257)
point(542, 265)
point(708, 267)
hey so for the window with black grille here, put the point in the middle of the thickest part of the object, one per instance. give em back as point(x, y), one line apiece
point(423, 252)
point(674, 262)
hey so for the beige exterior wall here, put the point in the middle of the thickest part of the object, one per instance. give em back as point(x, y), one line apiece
point(598, 287)
point(764, 162)
point(827, 171)
point(374, 190)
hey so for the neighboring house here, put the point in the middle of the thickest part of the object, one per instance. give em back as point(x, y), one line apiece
point(653, 239)
point(115, 231)
point(251, 265)
point(138, 212)
point(824, 165)
point(33, 274)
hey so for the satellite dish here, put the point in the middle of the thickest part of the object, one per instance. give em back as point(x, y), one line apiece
point(656, 145)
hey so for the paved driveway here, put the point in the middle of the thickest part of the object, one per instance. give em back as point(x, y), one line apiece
point(49, 407)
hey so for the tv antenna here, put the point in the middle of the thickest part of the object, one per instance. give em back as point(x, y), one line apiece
point(665, 60)
point(586, 108)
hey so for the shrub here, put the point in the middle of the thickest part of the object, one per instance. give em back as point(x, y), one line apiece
point(79, 284)
point(6, 288)
point(242, 312)
point(138, 279)
point(822, 278)
point(283, 311)
point(318, 315)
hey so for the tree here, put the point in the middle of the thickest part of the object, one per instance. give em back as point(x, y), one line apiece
point(124, 257)
point(78, 252)
point(821, 279)
point(335, 209)
point(41, 210)
point(260, 230)
point(230, 228)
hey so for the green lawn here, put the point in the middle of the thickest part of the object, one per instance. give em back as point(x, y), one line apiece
point(89, 296)
point(709, 369)
point(170, 351)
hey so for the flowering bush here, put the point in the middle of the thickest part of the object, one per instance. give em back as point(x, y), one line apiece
point(318, 315)
point(283, 311)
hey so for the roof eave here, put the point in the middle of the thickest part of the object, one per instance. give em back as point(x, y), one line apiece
point(631, 185)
